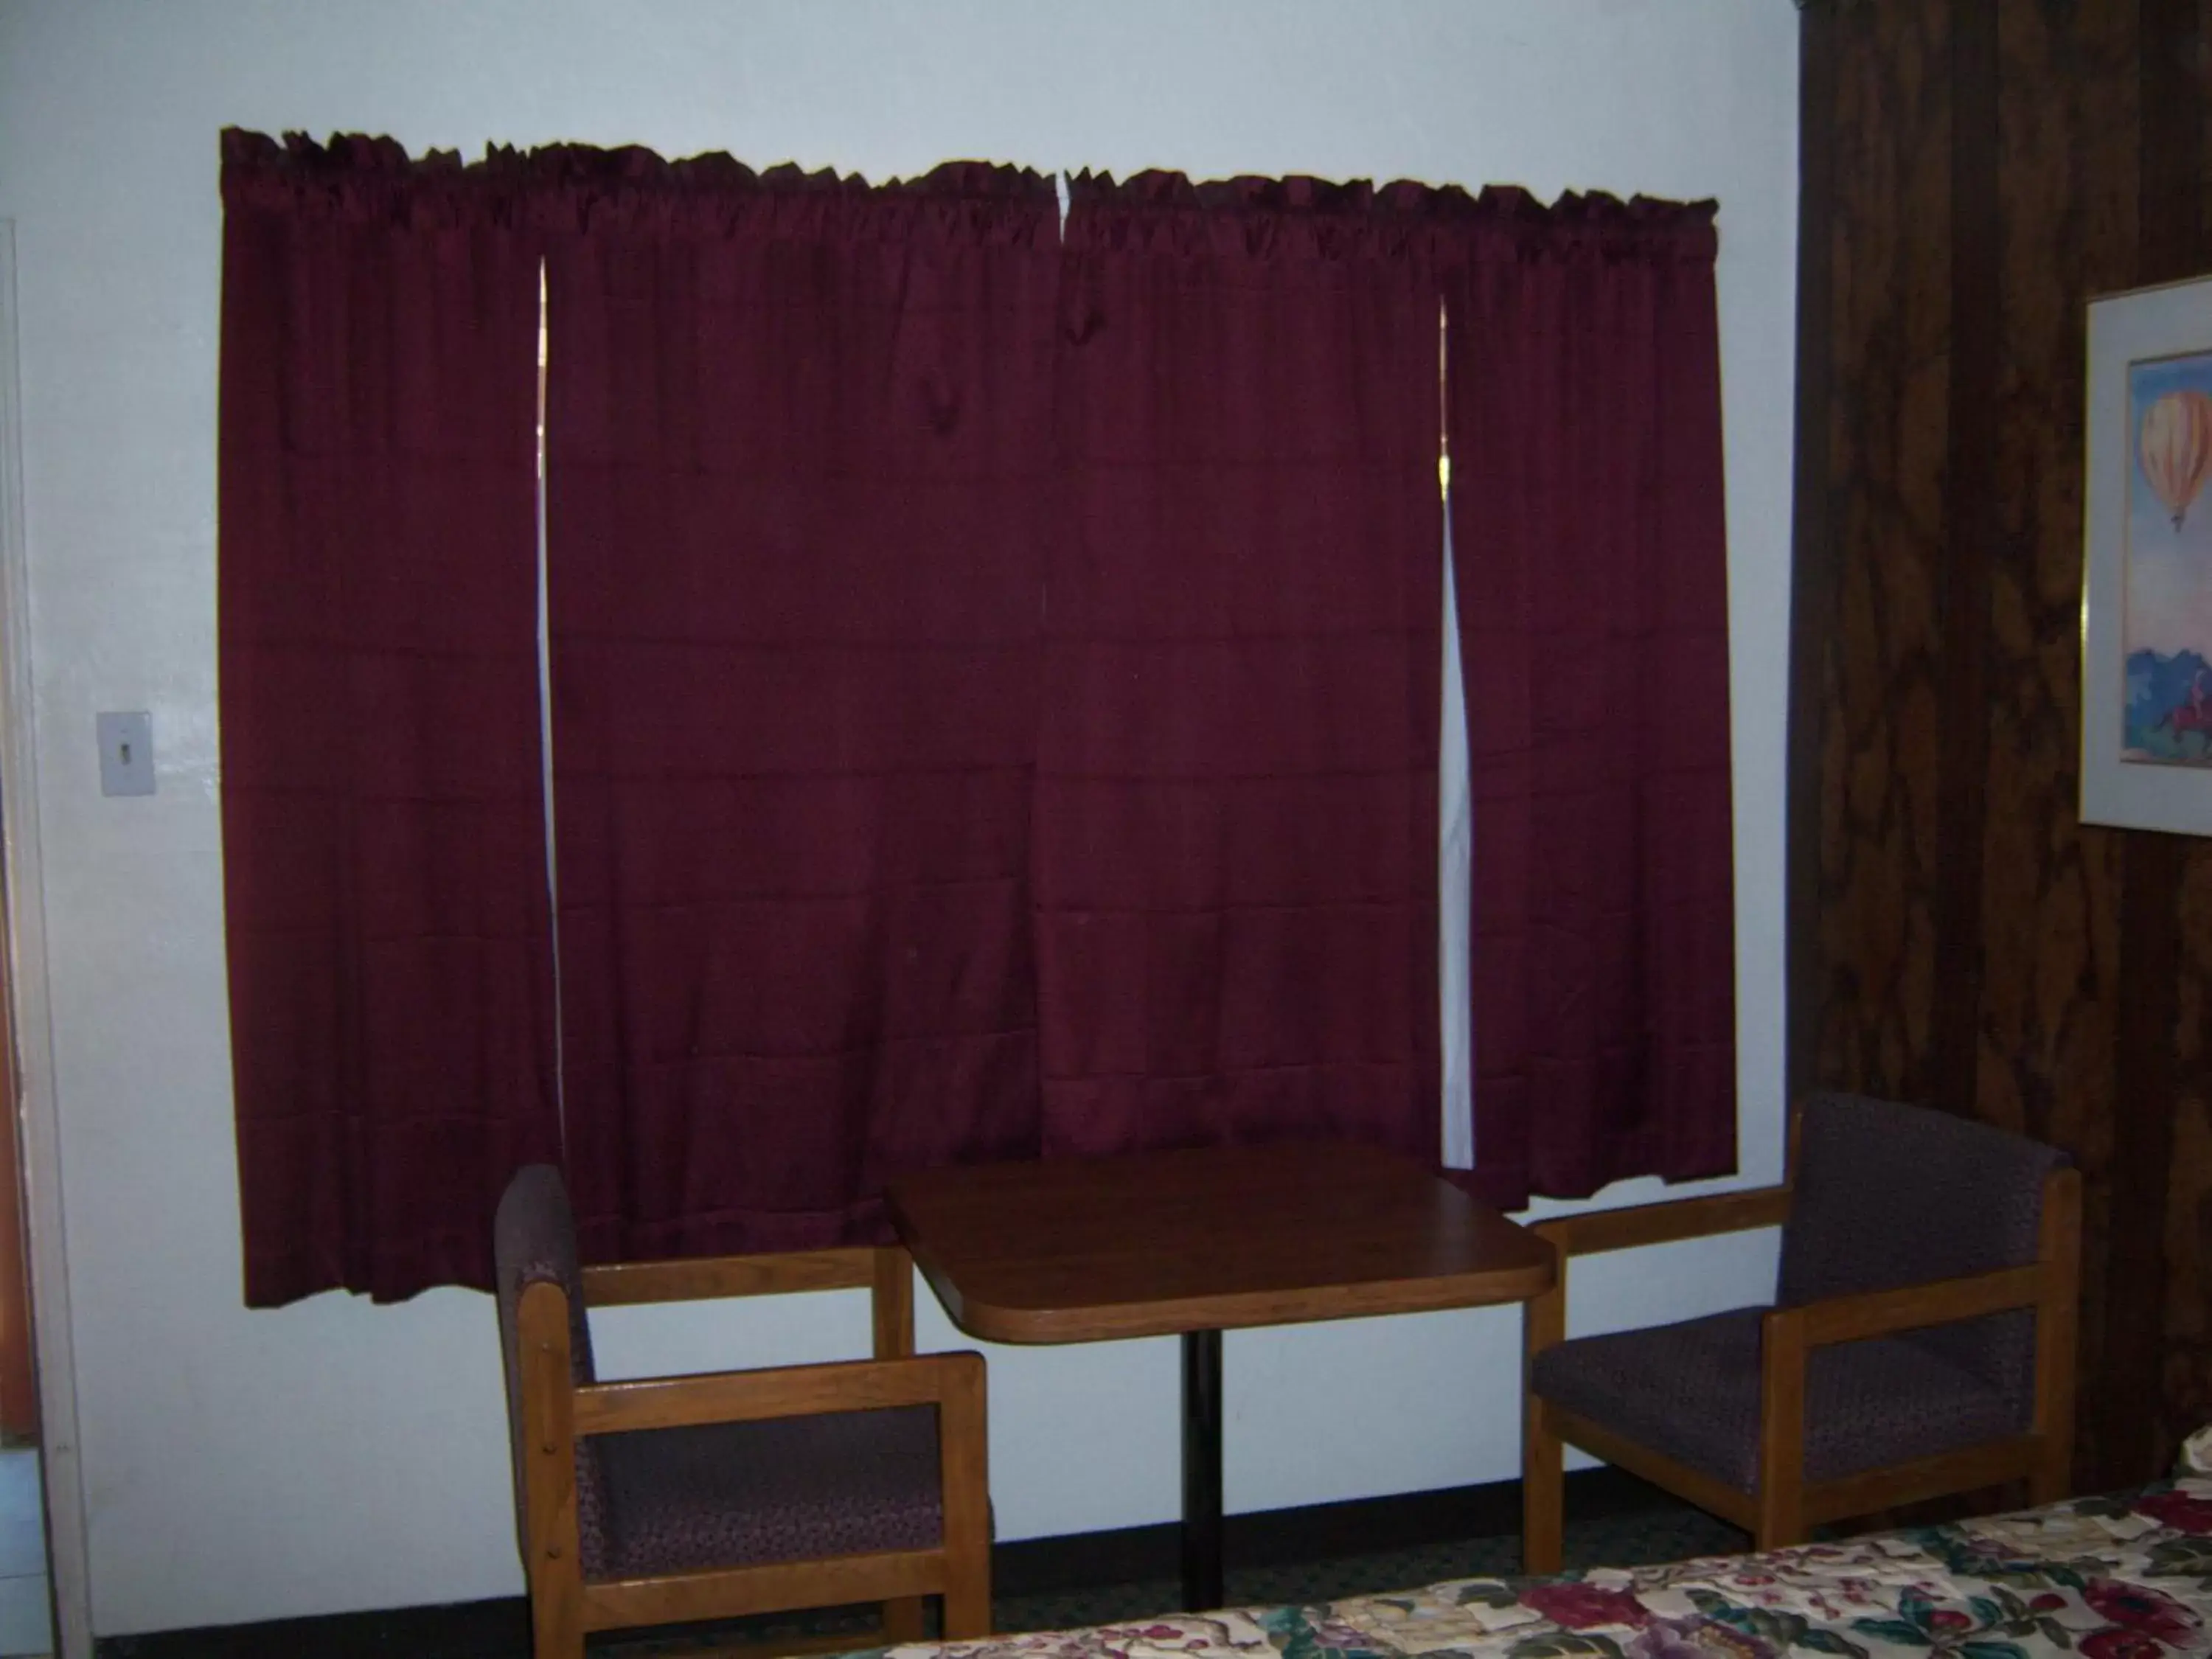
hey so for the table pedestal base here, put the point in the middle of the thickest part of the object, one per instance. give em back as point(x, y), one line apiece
point(1202, 1470)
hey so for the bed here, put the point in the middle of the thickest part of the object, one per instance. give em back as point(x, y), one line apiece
point(2120, 1577)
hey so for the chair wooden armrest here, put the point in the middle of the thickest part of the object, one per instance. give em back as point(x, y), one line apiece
point(887, 1270)
point(705, 1278)
point(675, 1402)
point(1595, 1231)
point(1908, 1308)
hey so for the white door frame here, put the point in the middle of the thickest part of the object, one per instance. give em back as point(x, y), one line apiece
point(67, 1555)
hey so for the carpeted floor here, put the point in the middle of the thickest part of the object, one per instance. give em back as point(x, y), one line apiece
point(1646, 1527)
point(1659, 1535)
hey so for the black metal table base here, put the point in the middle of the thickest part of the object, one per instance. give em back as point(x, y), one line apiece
point(1202, 1470)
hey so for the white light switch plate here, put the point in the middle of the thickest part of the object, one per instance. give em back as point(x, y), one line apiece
point(126, 754)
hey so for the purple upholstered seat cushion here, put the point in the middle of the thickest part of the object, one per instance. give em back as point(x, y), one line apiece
point(1691, 1391)
point(737, 1494)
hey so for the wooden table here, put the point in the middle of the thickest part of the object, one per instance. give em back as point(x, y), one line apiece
point(1200, 1241)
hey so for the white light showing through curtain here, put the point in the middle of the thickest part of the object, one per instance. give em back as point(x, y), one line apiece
point(1455, 836)
point(545, 720)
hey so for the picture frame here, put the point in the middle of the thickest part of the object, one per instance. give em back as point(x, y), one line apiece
point(2147, 560)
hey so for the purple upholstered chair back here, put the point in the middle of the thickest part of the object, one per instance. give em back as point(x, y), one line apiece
point(1888, 1194)
point(534, 1242)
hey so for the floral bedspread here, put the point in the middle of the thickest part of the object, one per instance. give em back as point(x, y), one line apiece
point(2127, 1577)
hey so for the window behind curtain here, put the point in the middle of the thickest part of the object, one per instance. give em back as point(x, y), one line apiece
point(993, 689)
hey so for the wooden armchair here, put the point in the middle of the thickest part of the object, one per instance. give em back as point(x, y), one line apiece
point(1922, 1341)
point(713, 1497)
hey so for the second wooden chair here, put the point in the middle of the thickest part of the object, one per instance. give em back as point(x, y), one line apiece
point(1922, 1340)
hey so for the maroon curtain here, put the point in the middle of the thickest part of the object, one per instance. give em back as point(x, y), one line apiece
point(798, 446)
point(384, 848)
point(1237, 815)
point(1589, 554)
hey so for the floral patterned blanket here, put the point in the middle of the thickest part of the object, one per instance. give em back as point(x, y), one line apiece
point(2127, 1577)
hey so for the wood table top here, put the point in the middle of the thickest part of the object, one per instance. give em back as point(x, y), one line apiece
point(1211, 1238)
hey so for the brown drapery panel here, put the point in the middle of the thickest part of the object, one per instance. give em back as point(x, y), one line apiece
point(1236, 794)
point(383, 835)
point(1590, 557)
point(799, 448)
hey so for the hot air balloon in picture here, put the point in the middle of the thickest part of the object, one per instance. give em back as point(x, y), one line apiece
point(2174, 448)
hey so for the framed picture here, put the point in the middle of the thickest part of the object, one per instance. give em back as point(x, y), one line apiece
point(2147, 583)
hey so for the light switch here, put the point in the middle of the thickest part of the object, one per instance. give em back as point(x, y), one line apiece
point(126, 754)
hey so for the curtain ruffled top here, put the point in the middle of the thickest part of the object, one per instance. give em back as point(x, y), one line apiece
point(578, 189)
point(1505, 222)
point(352, 177)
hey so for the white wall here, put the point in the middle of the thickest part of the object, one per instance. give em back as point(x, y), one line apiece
point(334, 1455)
